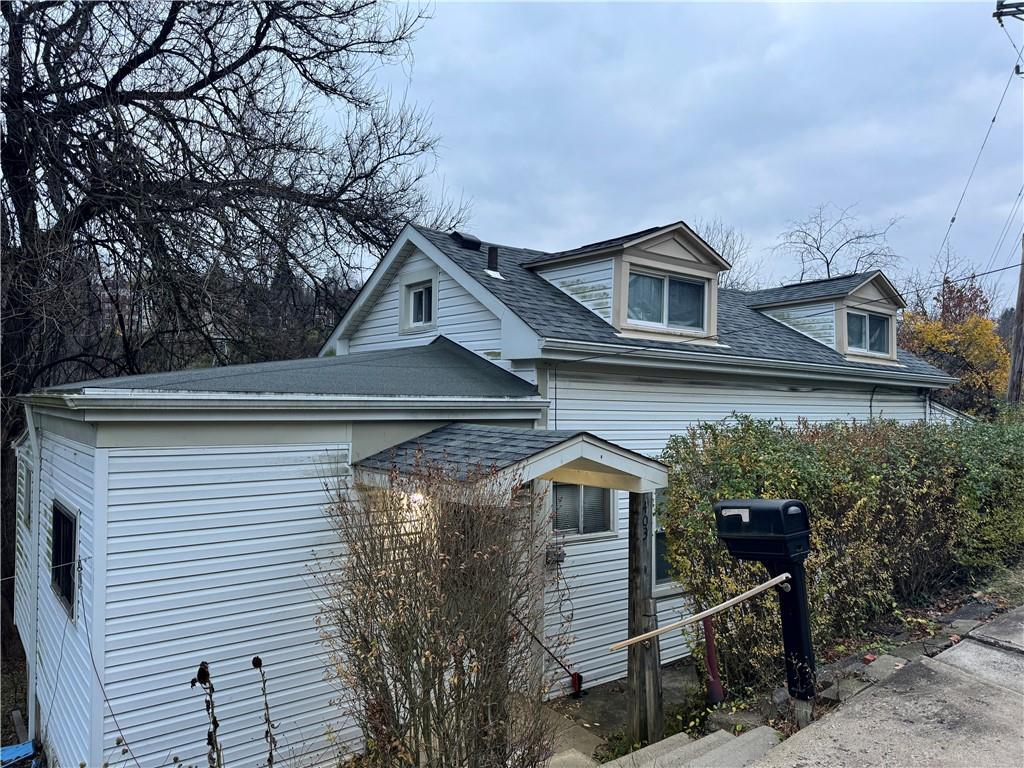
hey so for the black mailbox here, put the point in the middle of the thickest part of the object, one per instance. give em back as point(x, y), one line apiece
point(777, 532)
point(759, 529)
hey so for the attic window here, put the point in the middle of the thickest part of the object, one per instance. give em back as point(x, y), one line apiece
point(669, 302)
point(421, 304)
point(867, 333)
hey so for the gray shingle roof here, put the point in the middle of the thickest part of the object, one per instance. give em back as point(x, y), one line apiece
point(465, 447)
point(439, 369)
point(811, 290)
point(554, 314)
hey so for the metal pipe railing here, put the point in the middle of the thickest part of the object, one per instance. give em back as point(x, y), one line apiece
point(703, 614)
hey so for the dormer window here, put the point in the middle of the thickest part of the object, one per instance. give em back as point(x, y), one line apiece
point(867, 332)
point(667, 302)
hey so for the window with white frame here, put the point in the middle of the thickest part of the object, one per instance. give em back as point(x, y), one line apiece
point(661, 570)
point(421, 304)
point(26, 499)
point(670, 302)
point(63, 555)
point(582, 508)
point(867, 332)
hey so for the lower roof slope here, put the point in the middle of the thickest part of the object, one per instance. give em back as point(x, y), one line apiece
point(463, 447)
point(744, 331)
point(439, 369)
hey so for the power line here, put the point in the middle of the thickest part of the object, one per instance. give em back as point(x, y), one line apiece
point(977, 159)
point(1006, 228)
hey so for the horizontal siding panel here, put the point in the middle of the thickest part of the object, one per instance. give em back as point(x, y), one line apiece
point(460, 317)
point(588, 282)
point(815, 320)
point(212, 561)
point(63, 670)
point(642, 413)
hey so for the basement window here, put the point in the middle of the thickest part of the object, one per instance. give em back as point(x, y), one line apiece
point(867, 333)
point(668, 302)
point(63, 546)
point(582, 509)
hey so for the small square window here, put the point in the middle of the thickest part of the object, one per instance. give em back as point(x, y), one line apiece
point(63, 563)
point(421, 304)
point(582, 508)
point(867, 333)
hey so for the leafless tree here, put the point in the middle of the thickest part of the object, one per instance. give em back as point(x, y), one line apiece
point(163, 163)
point(433, 618)
point(734, 247)
point(831, 242)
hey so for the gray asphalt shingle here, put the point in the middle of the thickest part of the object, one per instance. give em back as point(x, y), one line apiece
point(439, 369)
point(554, 314)
point(811, 290)
point(467, 447)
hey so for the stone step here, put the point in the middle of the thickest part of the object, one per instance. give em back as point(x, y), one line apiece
point(741, 751)
point(571, 758)
point(673, 751)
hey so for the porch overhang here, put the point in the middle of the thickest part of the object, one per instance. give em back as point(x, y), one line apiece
point(528, 454)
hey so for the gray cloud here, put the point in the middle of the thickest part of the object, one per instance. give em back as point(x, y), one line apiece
point(569, 123)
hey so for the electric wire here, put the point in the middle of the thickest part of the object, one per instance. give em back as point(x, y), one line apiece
point(977, 159)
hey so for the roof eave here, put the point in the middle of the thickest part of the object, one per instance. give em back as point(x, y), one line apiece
point(753, 365)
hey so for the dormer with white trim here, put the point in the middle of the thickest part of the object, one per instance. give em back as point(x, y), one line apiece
point(661, 283)
point(852, 314)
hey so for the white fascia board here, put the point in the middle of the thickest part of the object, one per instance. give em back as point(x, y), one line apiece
point(134, 405)
point(639, 473)
point(368, 291)
point(568, 349)
point(517, 336)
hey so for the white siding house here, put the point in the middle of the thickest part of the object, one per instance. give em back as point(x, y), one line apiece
point(197, 496)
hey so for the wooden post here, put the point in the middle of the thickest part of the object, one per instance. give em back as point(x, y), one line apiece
point(1016, 391)
point(644, 660)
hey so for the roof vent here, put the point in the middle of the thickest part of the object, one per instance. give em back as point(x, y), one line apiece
point(492, 258)
point(466, 240)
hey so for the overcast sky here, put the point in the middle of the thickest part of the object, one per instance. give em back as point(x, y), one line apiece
point(565, 124)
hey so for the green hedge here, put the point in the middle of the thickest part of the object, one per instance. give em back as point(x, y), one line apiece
point(897, 512)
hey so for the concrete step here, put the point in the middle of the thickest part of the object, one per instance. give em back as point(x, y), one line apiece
point(673, 751)
point(741, 751)
point(986, 663)
point(571, 758)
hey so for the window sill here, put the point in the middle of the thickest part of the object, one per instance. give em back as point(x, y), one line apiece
point(668, 590)
point(413, 330)
point(569, 539)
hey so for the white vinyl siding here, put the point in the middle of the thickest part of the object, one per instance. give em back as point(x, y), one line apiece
point(209, 557)
point(589, 282)
point(63, 672)
point(459, 316)
point(641, 413)
point(23, 548)
point(815, 320)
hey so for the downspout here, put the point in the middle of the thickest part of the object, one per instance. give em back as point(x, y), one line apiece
point(33, 500)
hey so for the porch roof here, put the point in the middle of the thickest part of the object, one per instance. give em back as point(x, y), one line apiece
point(571, 456)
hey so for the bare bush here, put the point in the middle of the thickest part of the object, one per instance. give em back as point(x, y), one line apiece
point(434, 616)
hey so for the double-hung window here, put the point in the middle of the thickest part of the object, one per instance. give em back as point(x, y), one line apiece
point(662, 571)
point(867, 332)
point(421, 304)
point(582, 508)
point(671, 302)
point(63, 556)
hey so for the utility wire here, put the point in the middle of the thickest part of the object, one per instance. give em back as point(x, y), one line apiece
point(1006, 228)
point(977, 159)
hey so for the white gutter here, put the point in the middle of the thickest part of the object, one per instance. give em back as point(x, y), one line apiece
point(751, 365)
point(98, 399)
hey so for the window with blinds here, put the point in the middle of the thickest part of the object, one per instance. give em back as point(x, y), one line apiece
point(62, 556)
point(582, 508)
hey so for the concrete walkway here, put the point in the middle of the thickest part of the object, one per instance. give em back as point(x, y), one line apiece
point(964, 707)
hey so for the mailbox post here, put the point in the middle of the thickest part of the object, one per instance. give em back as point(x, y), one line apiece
point(777, 534)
